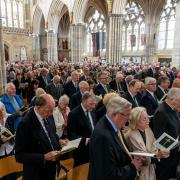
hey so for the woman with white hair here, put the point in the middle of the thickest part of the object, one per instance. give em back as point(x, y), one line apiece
point(60, 115)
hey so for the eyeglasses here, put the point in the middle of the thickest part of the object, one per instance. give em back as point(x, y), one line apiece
point(152, 84)
point(124, 115)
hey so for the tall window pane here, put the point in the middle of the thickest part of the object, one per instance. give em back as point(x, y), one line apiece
point(3, 12)
point(9, 13)
point(15, 14)
point(21, 15)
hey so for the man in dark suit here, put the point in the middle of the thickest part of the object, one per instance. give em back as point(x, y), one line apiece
point(103, 87)
point(131, 94)
point(76, 98)
point(72, 87)
point(81, 122)
point(44, 79)
point(55, 89)
point(86, 73)
point(162, 89)
point(109, 156)
point(166, 119)
point(118, 84)
point(36, 143)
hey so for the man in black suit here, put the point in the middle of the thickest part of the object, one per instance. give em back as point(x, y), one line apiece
point(118, 84)
point(36, 143)
point(109, 156)
point(131, 94)
point(81, 122)
point(72, 87)
point(44, 78)
point(86, 73)
point(55, 89)
point(166, 119)
point(76, 98)
point(162, 89)
point(103, 87)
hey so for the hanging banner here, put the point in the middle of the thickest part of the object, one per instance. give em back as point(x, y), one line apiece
point(143, 39)
point(97, 41)
point(133, 40)
point(94, 40)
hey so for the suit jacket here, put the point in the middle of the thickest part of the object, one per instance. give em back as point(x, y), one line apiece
point(167, 120)
point(42, 83)
point(56, 92)
point(31, 145)
point(75, 100)
point(149, 103)
point(99, 90)
point(159, 93)
point(113, 85)
point(136, 143)
point(79, 127)
point(131, 100)
point(108, 159)
point(69, 89)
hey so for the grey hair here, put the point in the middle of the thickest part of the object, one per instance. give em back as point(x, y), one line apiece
point(174, 93)
point(63, 98)
point(39, 91)
point(117, 105)
point(148, 80)
point(8, 85)
point(87, 95)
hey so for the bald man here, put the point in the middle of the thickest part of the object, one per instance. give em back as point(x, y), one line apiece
point(36, 143)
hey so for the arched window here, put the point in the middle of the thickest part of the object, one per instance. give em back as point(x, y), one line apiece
point(15, 14)
point(21, 15)
point(3, 12)
point(96, 35)
point(167, 26)
point(133, 28)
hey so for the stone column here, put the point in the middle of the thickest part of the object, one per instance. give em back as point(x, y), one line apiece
point(52, 46)
point(151, 38)
point(77, 42)
point(176, 53)
point(36, 47)
point(115, 38)
point(2, 59)
point(27, 16)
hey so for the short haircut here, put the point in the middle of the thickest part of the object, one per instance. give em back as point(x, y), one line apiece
point(108, 96)
point(117, 105)
point(148, 80)
point(135, 117)
point(102, 73)
point(8, 85)
point(176, 83)
point(129, 78)
point(162, 79)
point(40, 101)
point(133, 82)
point(87, 95)
point(173, 94)
point(63, 98)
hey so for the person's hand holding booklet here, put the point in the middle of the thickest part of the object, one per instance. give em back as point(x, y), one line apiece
point(70, 146)
point(6, 135)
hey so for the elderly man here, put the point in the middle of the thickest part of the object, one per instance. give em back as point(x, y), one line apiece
point(55, 89)
point(13, 103)
point(76, 98)
point(166, 120)
point(72, 86)
point(81, 122)
point(36, 143)
point(109, 156)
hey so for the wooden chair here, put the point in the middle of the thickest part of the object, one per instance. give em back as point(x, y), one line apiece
point(79, 172)
point(8, 165)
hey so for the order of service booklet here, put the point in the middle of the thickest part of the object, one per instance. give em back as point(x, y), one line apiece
point(71, 145)
point(145, 154)
point(5, 133)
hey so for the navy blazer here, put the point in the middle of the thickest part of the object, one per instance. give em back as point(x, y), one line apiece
point(75, 100)
point(108, 159)
point(99, 90)
point(69, 89)
point(30, 146)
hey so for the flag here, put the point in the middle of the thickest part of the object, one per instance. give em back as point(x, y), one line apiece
point(133, 40)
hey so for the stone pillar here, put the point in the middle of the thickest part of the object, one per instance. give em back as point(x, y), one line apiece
point(115, 38)
point(77, 42)
point(27, 14)
point(176, 53)
point(150, 31)
point(36, 47)
point(2, 60)
point(52, 46)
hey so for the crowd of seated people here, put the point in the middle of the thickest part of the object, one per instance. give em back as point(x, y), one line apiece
point(82, 94)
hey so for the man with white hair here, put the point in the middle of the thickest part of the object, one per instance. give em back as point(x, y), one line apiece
point(109, 156)
point(166, 120)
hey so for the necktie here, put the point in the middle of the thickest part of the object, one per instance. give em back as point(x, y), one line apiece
point(89, 121)
point(119, 87)
point(105, 87)
point(135, 100)
point(49, 133)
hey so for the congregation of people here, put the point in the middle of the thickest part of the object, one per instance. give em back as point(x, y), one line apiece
point(114, 109)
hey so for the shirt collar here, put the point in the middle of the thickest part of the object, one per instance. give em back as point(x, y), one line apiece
point(84, 109)
point(152, 93)
point(38, 115)
point(112, 124)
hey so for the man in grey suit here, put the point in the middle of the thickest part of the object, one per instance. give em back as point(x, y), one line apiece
point(55, 89)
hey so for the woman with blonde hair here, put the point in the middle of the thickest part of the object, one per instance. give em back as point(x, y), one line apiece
point(140, 138)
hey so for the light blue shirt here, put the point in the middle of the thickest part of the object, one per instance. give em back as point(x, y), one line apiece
point(112, 124)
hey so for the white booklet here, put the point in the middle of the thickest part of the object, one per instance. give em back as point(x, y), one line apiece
point(145, 154)
point(71, 145)
point(167, 142)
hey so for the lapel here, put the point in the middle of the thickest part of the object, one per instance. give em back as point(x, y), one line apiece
point(39, 130)
point(154, 101)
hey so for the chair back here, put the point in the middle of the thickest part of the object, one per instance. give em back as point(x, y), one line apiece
point(9, 165)
point(79, 172)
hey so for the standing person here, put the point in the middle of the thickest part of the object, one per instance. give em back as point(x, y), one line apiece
point(109, 156)
point(37, 144)
point(166, 119)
